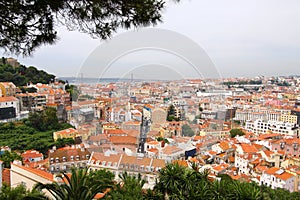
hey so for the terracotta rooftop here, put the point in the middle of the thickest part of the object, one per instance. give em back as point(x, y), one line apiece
point(135, 160)
point(183, 163)
point(171, 150)
point(31, 154)
point(123, 140)
point(66, 131)
point(284, 176)
point(38, 172)
point(248, 148)
point(8, 99)
point(113, 158)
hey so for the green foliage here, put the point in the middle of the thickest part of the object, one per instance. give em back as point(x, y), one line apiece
point(177, 182)
point(86, 96)
point(22, 75)
point(24, 135)
point(81, 185)
point(61, 142)
point(8, 157)
point(195, 119)
point(236, 131)
point(174, 182)
point(172, 114)
point(284, 83)
point(200, 108)
point(74, 92)
point(29, 90)
point(162, 139)
point(187, 130)
point(45, 120)
point(29, 24)
point(128, 188)
point(20, 193)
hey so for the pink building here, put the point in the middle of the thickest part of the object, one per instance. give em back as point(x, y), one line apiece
point(289, 146)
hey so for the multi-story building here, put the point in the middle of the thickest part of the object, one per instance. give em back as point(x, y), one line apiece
point(120, 163)
point(65, 158)
point(293, 119)
point(32, 156)
point(261, 127)
point(29, 177)
point(9, 108)
point(278, 178)
point(289, 146)
point(67, 133)
point(7, 89)
point(31, 101)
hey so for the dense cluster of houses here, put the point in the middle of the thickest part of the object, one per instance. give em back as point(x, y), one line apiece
point(113, 123)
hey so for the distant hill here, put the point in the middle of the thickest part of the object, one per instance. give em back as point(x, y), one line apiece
point(20, 75)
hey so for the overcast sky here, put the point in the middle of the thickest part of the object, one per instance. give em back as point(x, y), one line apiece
point(242, 38)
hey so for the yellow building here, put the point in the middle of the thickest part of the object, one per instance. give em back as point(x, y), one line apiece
point(289, 118)
point(7, 89)
point(67, 133)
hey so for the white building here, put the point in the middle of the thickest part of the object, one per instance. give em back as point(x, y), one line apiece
point(278, 178)
point(9, 108)
point(148, 168)
point(29, 176)
point(260, 127)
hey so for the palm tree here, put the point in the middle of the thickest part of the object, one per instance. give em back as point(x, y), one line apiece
point(247, 191)
point(81, 184)
point(171, 179)
point(130, 187)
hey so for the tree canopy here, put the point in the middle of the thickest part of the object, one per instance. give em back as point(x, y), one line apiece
point(80, 185)
point(172, 116)
point(26, 135)
point(236, 131)
point(174, 182)
point(187, 130)
point(26, 25)
point(22, 75)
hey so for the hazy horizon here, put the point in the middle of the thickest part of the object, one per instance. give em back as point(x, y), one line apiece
point(242, 38)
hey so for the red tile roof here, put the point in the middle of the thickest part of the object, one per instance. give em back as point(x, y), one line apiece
point(8, 99)
point(38, 172)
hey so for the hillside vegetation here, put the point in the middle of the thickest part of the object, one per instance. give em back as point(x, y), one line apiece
point(22, 75)
point(36, 132)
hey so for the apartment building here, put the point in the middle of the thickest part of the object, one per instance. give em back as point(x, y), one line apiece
point(9, 108)
point(120, 163)
point(65, 158)
point(261, 127)
point(278, 178)
point(31, 101)
point(7, 89)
